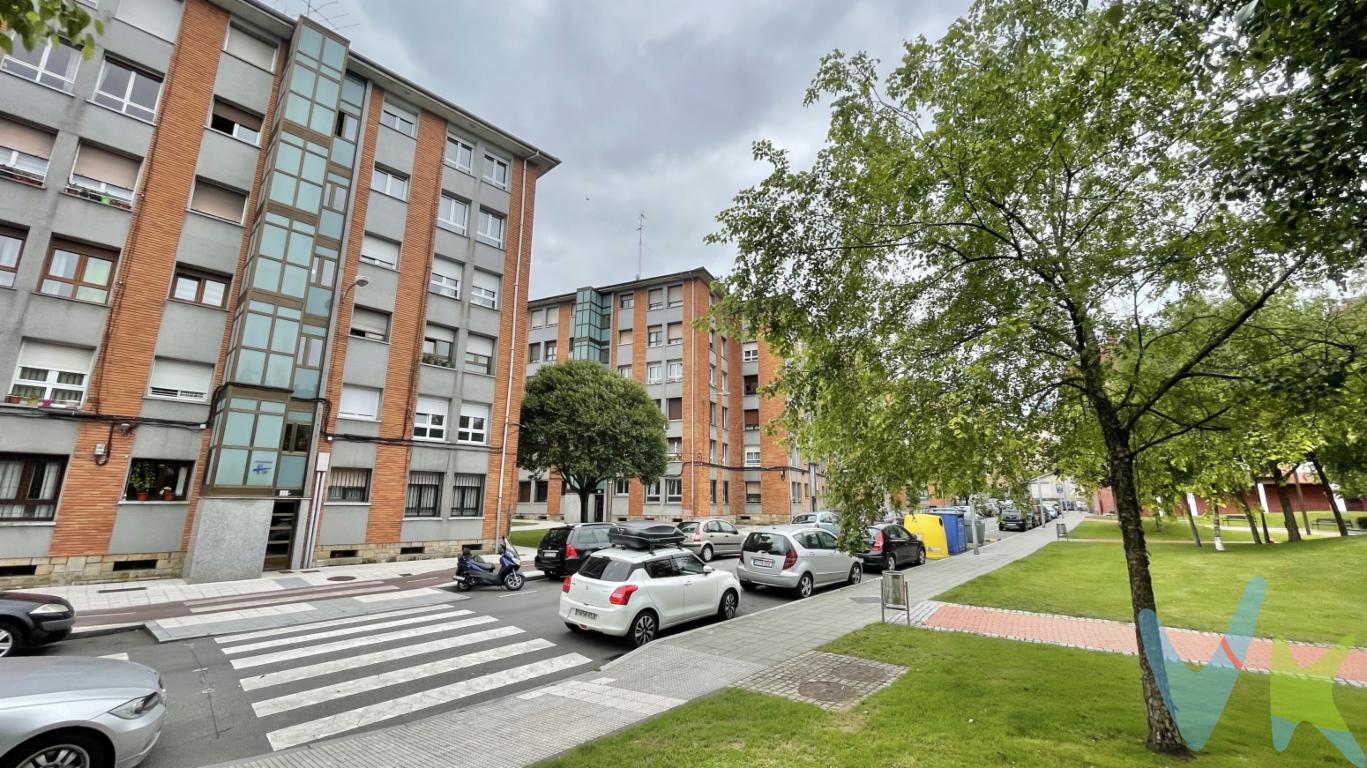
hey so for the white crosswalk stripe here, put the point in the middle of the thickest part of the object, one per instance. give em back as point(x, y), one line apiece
point(291, 598)
point(331, 677)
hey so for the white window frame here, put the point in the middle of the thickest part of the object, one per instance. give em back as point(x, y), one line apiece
point(624, 370)
point(237, 126)
point(659, 340)
point(486, 215)
point(654, 372)
point(443, 284)
point(674, 370)
point(673, 489)
point(749, 353)
point(234, 29)
point(550, 352)
point(671, 340)
point(466, 431)
point(184, 395)
point(356, 415)
point(371, 258)
point(500, 167)
point(39, 70)
point(455, 204)
point(469, 149)
point(484, 297)
point(50, 383)
point(99, 187)
point(124, 99)
point(651, 303)
point(432, 423)
point(390, 179)
point(752, 457)
point(398, 118)
point(672, 303)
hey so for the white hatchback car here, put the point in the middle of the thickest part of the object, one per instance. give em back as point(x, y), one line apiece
point(634, 593)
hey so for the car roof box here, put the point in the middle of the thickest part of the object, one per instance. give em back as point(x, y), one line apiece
point(645, 535)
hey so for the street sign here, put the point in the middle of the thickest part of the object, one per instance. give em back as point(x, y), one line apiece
point(895, 595)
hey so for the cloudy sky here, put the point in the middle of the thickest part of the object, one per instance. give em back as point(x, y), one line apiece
point(651, 105)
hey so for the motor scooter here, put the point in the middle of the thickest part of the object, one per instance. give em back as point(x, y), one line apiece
point(472, 572)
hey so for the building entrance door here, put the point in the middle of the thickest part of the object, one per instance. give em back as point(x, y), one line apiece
point(280, 537)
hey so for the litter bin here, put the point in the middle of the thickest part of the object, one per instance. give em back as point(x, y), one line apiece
point(956, 535)
point(930, 529)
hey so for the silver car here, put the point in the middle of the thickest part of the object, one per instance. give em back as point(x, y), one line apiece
point(826, 520)
point(710, 537)
point(78, 712)
point(796, 557)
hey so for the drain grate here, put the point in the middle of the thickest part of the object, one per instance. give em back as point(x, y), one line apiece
point(341, 578)
point(828, 680)
point(122, 589)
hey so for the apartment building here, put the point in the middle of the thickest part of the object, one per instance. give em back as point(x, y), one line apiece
point(723, 458)
point(259, 302)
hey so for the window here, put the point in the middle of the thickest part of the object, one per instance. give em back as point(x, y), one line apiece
point(673, 489)
point(127, 90)
point(674, 446)
point(199, 287)
point(250, 48)
point(381, 252)
point(625, 370)
point(538, 318)
point(714, 495)
point(752, 457)
point(399, 119)
point(552, 316)
point(24, 152)
point(349, 485)
point(796, 495)
point(551, 352)
point(51, 65)
point(453, 213)
point(438, 345)
point(675, 296)
point(712, 450)
point(348, 128)
point(751, 384)
point(749, 352)
point(496, 171)
point(231, 121)
point(104, 177)
point(751, 419)
point(484, 289)
point(752, 492)
point(180, 380)
point(653, 372)
point(622, 486)
point(161, 18)
point(725, 416)
point(474, 424)
point(158, 479)
point(424, 494)
point(79, 272)
point(676, 333)
point(51, 374)
point(459, 155)
point(653, 491)
point(624, 338)
point(388, 182)
point(29, 485)
point(657, 299)
point(711, 414)
point(479, 354)
point(369, 324)
point(361, 403)
point(219, 202)
point(534, 352)
point(430, 423)
point(675, 408)
point(725, 383)
point(11, 245)
point(467, 496)
point(725, 491)
point(711, 375)
point(655, 336)
point(491, 226)
point(627, 301)
point(675, 370)
point(446, 277)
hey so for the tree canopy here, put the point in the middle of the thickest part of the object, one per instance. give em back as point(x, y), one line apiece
point(33, 21)
point(589, 424)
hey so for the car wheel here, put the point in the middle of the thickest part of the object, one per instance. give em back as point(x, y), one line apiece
point(514, 581)
point(61, 749)
point(921, 556)
point(890, 562)
point(706, 553)
point(643, 629)
point(11, 639)
point(729, 603)
point(748, 586)
point(856, 574)
point(573, 627)
point(804, 586)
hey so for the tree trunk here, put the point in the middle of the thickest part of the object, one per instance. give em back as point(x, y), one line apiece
point(1191, 519)
point(1248, 514)
point(1300, 500)
point(1329, 491)
point(585, 514)
point(1215, 523)
point(1293, 529)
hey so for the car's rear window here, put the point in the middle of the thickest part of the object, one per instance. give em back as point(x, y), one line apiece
point(686, 527)
point(771, 543)
point(605, 568)
point(555, 537)
point(872, 533)
point(591, 536)
point(809, 518)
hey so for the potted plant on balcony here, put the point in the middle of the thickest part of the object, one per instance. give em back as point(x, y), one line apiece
point(141, 479)
point(14, 399)
point(168, 493)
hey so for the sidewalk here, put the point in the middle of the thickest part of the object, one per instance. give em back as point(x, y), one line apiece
point(1116, 637)
point(519, 729)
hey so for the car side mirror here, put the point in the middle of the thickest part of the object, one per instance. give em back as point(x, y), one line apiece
point(708, 569)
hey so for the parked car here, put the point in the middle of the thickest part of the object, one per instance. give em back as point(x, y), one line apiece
point(28, 620)
point(1013, 519)
point(636, 590)
point(796, 557)
point(888, 546)
point(710, 537)
point(78, 712)
point(563, 549)
point(826, 520)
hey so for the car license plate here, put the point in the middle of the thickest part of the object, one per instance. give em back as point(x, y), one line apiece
point(762, 562)
point(585, 614)
point(549, 553)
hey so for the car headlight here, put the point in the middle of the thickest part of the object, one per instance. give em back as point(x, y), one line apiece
point(49, 609)
point(136, 708)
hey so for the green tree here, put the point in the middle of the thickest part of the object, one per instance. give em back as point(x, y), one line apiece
point(980, 260)
point(590, 425)
point(32, 21)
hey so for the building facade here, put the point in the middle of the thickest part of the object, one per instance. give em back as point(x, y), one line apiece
point(259, 299)
point(726, 458)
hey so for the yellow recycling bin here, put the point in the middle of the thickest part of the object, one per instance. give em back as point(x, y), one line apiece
point(930, 529)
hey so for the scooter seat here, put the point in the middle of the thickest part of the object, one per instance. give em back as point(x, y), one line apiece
point(479, 566)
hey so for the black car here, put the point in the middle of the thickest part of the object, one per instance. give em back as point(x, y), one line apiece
point(888, 546)
point(1013, 519)
point(562, 549)
point(29, 619)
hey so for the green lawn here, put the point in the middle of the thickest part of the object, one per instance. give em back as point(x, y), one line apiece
point(529, 539)
point(1314, 589)
point(1173, 530)
point(967, 701)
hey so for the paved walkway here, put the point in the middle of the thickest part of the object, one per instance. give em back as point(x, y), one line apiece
point(1116, 637)
point(519, 729)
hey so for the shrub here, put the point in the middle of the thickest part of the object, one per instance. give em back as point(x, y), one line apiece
point(1362, 522)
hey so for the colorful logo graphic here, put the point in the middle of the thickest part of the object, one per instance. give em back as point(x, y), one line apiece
point(1298, 694)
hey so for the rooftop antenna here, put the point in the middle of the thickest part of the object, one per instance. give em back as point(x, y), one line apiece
point(640, 244)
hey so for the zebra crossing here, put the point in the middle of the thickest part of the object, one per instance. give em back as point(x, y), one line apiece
point(327, 678)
